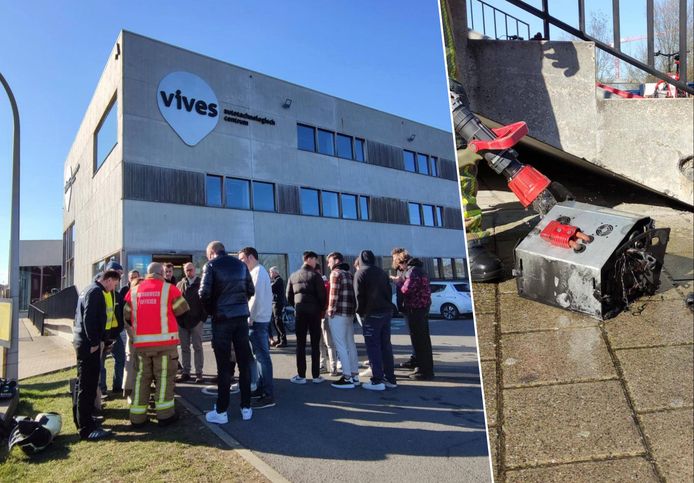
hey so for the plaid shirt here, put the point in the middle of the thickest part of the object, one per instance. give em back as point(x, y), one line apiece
point(341, 300)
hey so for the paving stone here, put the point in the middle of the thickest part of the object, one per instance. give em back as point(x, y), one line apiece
point(489, 386)
point(508, 286)
point(519, 314)
point(670, 435)
point(568, 422)
point(659, 377)
point(628, 469)
point(486, 334)
point(484, 295)
point(654, 323)
point(571, 355)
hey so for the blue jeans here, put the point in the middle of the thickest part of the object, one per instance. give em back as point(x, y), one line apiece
point(258, 333)
point(118, 353)
point(376, 329)
point(224, 333)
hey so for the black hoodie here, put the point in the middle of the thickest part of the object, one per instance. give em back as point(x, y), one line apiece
point(371, 287)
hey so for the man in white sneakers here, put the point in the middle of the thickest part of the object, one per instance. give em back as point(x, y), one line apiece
point(260, 308)
point(341, 309)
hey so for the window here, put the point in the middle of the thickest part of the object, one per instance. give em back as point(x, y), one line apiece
point(326, 142)
point(460, 268)
point(461, 287)
point(415, 217)
point(363, 207)
point(213, 190)
point(408, 159)
point(309, 202)
point(278, 260)
point(447, 269)
point(306, 137)
point(359, 150)
point(263, 196)
point(422, 163)
point(330, 205)
point(238, 194)
point(439, 216)
point(437, 287)
point(344, 146)
point(349, 207)
point(106, 136)
point(68, 257)
point(434, 168)
point(428, 212)
point(139, 262)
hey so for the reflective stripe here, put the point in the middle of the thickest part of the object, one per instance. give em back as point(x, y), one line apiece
point(163, 378)
point(133, 301)
point(138, 383)
point(178, 302)
point(154, 337)
point(163, 308)
point(110, 314)
point(138, 409)
point(160, 406)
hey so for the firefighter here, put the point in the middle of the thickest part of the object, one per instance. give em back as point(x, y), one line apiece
point(151, 308)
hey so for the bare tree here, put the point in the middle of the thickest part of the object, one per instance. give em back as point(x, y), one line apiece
point(600, 29)
point(666, 23)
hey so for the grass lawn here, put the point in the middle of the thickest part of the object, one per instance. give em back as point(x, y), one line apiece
point(184, 451)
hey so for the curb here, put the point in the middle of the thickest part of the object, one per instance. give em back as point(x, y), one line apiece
point(266, 470)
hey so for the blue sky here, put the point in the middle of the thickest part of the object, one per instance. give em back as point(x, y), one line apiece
point(52, 54)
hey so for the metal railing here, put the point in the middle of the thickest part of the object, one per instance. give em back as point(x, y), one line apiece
point(615, 49)
point(486, 10)
point(37, 317)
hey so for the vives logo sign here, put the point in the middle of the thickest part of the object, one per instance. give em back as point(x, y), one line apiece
point(189, 105)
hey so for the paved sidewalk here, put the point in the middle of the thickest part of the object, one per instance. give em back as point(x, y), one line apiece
point(421, 431)
point(39, 355)
point(569, 397)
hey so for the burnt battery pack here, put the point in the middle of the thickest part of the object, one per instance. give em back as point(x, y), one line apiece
point(621, 263)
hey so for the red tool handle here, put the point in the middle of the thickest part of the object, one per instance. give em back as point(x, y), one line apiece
point(507, 136)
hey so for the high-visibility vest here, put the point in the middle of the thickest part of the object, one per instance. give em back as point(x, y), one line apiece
point(153, 320)
point(111, 321)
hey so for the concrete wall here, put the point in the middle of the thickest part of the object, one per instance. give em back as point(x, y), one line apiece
point(95, 208)
point(551, 86)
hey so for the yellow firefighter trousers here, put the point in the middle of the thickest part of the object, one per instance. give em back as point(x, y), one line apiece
point(158, 364)
point(467, 170)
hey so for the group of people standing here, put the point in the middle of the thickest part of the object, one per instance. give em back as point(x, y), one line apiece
point(151, 317)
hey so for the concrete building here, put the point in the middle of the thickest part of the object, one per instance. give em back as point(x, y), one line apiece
point(39, 270)
point(177, 149)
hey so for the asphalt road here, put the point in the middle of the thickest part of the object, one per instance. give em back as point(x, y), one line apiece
point(421, 431)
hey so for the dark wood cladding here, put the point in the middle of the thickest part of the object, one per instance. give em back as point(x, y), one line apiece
point(384, 155)
point(288, 197)
point(389, 210)
point(163, 185)
point(452, 218)
point(448, 169)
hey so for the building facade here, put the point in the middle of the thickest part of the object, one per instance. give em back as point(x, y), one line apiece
point(177, 149)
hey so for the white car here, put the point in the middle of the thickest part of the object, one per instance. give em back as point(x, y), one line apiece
point(449, 299)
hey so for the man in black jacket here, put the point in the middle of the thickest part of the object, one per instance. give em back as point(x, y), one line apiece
point(374, 306)
point(225, 289)
point(306, 293)
point(279, 301)
point(190, 324)
point(89, 333)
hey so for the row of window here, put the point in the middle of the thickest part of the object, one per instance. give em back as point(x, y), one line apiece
point(420, 163)
point(334, 205)
point(423, 214)
point(328, 142)
point(239, 193)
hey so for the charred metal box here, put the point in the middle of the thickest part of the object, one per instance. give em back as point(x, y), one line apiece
point(621, 263)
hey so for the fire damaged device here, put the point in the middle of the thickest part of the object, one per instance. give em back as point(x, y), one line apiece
point(579, 257)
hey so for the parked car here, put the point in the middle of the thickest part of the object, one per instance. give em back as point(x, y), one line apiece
point(449, 299)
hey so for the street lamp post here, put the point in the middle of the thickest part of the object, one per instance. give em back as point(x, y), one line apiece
point(11, 369)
